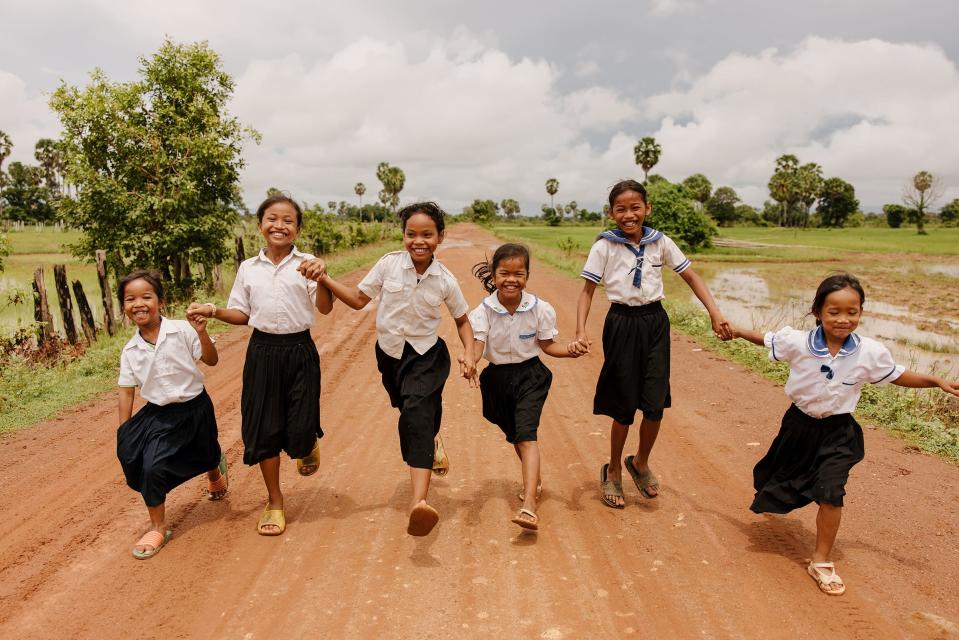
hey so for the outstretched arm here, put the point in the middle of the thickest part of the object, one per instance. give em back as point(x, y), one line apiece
point(468, 362)
point(747, 334)
point(698, 285)
point(209, 310)
point(582, 312)
point(917, 380)
point(572, 349)
point(351, 296)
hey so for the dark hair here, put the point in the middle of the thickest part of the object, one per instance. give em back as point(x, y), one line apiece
point(831, 285)
point(623, 186)
point(274, 199)
point(430, 209)
point(485, 270)
point(153, 278)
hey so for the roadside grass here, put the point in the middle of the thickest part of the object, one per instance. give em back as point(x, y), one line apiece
point(30, 393)
point(926, 418)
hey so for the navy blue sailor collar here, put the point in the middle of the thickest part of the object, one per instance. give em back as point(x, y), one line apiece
point(526, 303)
point(816, 344)
point(617, 236)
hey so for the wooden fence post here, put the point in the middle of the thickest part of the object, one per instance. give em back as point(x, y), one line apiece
point(41, 306)
point(240, 253)
point(109, 319)
point(86, 315)
point(217, 278)
point(66, 303)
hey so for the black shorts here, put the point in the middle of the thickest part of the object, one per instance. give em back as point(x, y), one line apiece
point(809, 461)
point(415, 384)
point(635, 373)
point(513, 397)
point(280, 403)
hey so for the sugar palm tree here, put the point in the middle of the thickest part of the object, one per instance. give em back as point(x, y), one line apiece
point(359, 190)
point(552, 186)
point(647, 152)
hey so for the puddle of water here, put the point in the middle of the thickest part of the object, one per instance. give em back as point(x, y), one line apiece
point(951, 270)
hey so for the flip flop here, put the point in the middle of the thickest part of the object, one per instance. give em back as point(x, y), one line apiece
point(824, 573)
point(441, 462)
point(217, 489)
point(643, 480)
point(153, 539)
point(270, 516)
point(312, 460)
point(539, 493)
point(610, 488)
point(423, 518)
point(531, 525)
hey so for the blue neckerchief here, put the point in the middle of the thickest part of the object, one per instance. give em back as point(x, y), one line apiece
point(829, 372)
point(816, 344)
point(617, 236)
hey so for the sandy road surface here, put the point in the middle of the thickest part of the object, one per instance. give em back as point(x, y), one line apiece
point(695, 563)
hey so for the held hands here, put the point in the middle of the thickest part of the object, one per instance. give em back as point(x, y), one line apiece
point(950, 387)
point(578, 347)
point(198, 310)
point(314, 269)
point(198, 322)
point(721, 327)
point(468, 371)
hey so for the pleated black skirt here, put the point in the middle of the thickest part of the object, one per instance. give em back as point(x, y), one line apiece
point(415, 384)
point(635, 373)
point(513, 397)
point(161, 447)
point(280, 404)
point(809, 461)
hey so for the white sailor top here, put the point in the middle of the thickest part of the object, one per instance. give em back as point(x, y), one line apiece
point(276, 297)
point(165, 372)
point(409, 310)
point(513, 338)
point(822, 385)
point(633, 274)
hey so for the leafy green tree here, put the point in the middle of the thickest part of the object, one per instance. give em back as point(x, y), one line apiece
point(837, 201)
point(552, 186)
point(699, 188)
point(646, 153)
point(809, 183)
point(359, 189)
point(920, 195)
point(155, 162)
point(674, 214)
point(6, 148)
point(49, 154)
point(784, 187)
point(721, 206)
point(482, 211)
point(551, 216)
point(510, 208)
point(896, 214)
point(949, 214)
point(393, 179)
point(24, 195)
point(746, 214)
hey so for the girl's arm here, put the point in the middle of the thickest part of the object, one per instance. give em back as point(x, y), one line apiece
point(315, 270)
point(571, 350)
point(582, 312)
point(351, 296)
point(465, 330)
point(209, 310)
point(126, 403)
point(208, 354)
point(917, 380)
point(324, 299)
point(746, 334)
point(698, 285)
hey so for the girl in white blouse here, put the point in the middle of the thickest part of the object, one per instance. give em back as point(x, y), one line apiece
point(511, 328)
point(819, 440)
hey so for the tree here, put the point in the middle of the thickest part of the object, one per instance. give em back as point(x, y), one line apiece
point(786, 188)
point(6, 148)
point(393, 179)
point(552, 186)
point(49, 154)
point(571, 209)
point(837, 201)
point(809, 184)
point(24, 195)
point(699, 188)
point(155, 162)
point(674, 214)
point(482, 211)
point(509, 207)
point(647, 152)
point(920, 194)
point(949, 214)
point(359, 189)
point(895, 215)
point(551, 216)
point(721, 206)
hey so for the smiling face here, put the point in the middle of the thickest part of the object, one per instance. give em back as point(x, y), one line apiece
point(629, 211)
point(421, 238)
point(279, 226)
point(510, 276)
point(840, 314)
point(141, 303)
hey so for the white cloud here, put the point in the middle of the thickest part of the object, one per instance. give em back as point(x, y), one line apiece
point(663, 8)
point(871, 112)
point(25, 117)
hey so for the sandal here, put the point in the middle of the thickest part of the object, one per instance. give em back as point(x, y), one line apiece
point(441, 462)
point(275, 517)
point(531, 522)
point(824, 573)
point(423, 518)
point(643, 480)
point(312, 460)
point(216, 489)
point(153, 539)
point(609, 488)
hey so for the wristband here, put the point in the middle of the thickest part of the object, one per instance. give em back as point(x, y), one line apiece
point(213, 314)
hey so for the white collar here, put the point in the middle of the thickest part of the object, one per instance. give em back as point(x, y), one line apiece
point(165, 327)
point(526, 303)
point(432, 269)
point(816, 344)
point(293, 252)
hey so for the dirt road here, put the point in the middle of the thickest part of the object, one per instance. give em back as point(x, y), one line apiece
point(694, 563)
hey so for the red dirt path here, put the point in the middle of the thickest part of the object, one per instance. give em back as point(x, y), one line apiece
point(694, 563)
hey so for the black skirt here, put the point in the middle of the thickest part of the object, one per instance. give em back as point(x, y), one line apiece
point(809, 461)
point(415, 384)
point(280, 404)
point(161, 447)
point(635, 373)
point(513, 397)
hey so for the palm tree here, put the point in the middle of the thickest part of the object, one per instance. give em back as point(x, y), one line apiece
point(47, 153)
point(552, 186)
point(359, 190)
point(920, 194)
point(647, 152)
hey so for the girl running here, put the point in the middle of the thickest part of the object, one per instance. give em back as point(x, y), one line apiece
point(629, 260)
point(819, 440)
point(413, 361)
point(280, 404)
point(173, 437)
point(511, 328)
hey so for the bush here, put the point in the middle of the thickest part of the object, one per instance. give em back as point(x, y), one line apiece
point(896, 214)
point(674, 214)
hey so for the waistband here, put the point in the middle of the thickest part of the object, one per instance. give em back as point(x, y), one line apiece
point(525, 364)
point(280, 339)
point(829, 421)
point(641, 310)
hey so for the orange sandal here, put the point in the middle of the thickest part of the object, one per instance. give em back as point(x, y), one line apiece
point(216, 489)
point(153, 539)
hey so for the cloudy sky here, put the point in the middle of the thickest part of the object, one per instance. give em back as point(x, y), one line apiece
point(490, 99)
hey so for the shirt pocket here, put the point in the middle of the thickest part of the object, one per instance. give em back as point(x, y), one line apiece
point(430, 302)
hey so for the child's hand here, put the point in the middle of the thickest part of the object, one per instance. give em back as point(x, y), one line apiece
point(468, 371)
point(204, 310)
point(950, 387)
point(314, 269)
point(198, 322)
point(721, 327)
point(576, 349)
